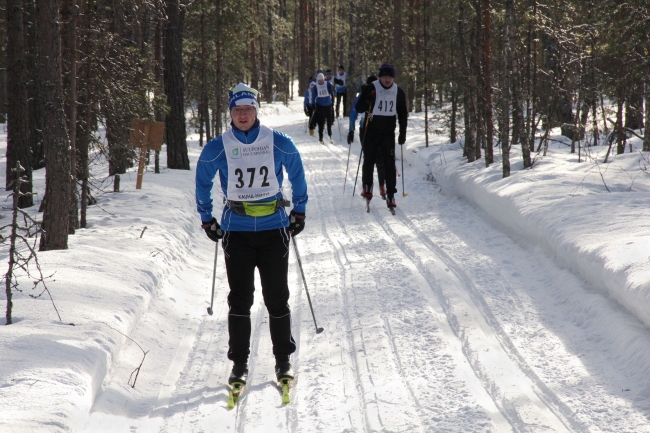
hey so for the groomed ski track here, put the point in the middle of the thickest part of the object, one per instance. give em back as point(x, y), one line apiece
point(428, 328)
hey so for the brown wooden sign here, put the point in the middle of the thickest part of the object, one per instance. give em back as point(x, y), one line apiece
point(147, 136)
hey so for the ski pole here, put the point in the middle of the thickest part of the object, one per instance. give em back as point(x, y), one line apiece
point(339, 126)
point(401, 146)
point(214, 275)
point(357, 177)
point(346, 167)
point(295, 248)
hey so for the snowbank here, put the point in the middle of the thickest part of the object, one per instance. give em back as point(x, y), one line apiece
point(592, 218)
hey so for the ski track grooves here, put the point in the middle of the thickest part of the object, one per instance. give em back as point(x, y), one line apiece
point(564, 412)
point(508, 408)
point(505, 404)
point(370, 401)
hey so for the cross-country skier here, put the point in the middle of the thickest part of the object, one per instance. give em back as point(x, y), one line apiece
point(255, 227)
point(308, 104)
point(386, 104)
point(341, 90)
point(323, 96)
point(381, 173)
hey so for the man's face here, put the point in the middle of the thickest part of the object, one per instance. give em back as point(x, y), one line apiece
point(386, 81)
point(329, 76)
point(243, 116)
point(341, 71)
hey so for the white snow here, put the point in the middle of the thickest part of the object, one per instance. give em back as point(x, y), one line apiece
point(484, 305)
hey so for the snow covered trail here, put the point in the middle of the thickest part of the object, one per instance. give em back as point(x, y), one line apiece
point(435, 321)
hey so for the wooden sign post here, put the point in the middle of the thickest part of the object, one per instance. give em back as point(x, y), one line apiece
point(147, 136)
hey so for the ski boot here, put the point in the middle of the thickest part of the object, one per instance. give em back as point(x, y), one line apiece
point(284, 375)
point(390, 202)
point(382, 192)
point(367, 194)
point(237, 382)
point(311, 132)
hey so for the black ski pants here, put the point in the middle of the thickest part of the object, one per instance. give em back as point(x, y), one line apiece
point(268, 251)
point(379, 159)
point(379, 148)
point(324, 114)
point(312, 117)
point(343, 95)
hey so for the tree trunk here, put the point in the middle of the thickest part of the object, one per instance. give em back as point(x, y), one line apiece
point(517, 97)
point(398, 37)
point(620, 135)
point(646, 130)
point(303, 69)
point(17, 131)
point(354, 56)
point(271, 56)
point(469, 95)
point(177, 156)
point(34, 92)
point(69, 66)
point(57, 144)
point(505, 95)
point(489, 124)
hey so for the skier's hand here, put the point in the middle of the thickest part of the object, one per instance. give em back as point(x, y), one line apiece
point(213, 229)
point(306, 112)
point(297, 222)
point(350, 137)
point(402, 138)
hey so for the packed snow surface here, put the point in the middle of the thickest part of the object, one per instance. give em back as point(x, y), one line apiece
point(484, 305)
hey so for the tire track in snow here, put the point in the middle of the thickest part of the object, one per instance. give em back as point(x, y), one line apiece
point(522, 411)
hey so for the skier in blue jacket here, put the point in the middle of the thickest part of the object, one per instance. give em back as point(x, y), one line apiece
point(308, 103)
point(255, 227)
point(323, 94)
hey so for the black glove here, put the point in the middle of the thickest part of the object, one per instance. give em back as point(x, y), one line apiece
point(306, 112)
point(338, 81)
point(213, 230)
point(350, 137)
point(297, 222)
point(402, 138)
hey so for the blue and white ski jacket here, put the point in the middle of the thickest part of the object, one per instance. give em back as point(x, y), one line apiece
point(325, 101)
point(309, 95)
point(213, 159)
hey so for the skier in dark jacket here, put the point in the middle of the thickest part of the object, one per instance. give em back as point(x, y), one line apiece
point(255, 227)
point(362, 129)
point(385, 103)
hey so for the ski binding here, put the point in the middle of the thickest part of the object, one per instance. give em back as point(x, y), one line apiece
point(235, 391)
point(285, 384)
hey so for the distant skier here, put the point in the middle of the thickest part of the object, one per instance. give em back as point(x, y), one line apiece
point(308, 104)
point(323, 102)
point(386, 104)
point(255, 227)
point(381, 173)
point(341, 90)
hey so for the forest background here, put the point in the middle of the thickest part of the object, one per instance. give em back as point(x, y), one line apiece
point(499, 72)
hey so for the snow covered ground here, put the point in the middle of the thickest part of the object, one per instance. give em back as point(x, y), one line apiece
point(484, 305)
